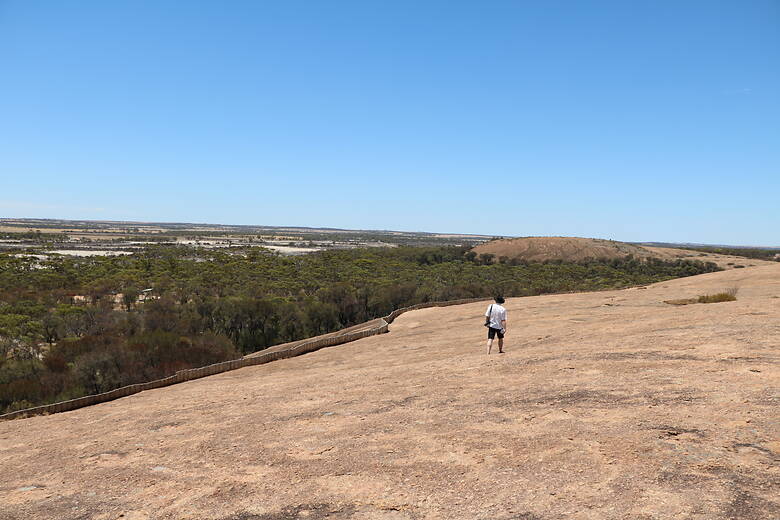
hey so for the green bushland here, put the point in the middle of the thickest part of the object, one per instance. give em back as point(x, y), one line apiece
point(65, 332)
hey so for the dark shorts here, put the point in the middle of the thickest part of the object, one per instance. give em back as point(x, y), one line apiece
point(492, 333)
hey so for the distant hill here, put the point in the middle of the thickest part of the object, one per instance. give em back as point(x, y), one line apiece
point(568, 249)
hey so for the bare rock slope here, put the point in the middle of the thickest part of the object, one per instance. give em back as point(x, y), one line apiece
point(570, 249)
point(606, 405)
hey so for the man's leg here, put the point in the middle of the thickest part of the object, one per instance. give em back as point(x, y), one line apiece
point(500, 345)
point(490, 344)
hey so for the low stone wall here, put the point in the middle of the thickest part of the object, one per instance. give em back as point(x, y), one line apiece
point(311, 345)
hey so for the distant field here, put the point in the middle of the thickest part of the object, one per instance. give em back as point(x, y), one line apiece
point(124, 236)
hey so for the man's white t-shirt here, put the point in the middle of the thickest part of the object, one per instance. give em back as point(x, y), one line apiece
point(497, 314)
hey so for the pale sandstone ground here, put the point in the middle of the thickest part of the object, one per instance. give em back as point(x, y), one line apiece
point(607, 405)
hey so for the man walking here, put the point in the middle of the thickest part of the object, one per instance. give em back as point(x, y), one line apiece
point(495, 321)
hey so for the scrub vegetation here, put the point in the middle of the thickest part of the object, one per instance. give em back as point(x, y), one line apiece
point(71, 326)
point(729, 295)
point(747, 252)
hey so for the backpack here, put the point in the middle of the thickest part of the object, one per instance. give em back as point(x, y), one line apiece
point(490, 315)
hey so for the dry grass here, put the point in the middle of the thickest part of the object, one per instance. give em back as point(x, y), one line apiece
point(728, 295)
point(717, 297)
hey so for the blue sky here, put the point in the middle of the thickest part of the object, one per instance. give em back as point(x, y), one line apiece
point(625, 120)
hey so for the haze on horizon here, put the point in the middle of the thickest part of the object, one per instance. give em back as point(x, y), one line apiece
point(603, 119)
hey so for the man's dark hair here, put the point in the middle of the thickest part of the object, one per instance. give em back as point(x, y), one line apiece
point(499, 299)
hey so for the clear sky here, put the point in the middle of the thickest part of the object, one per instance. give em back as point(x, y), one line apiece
point(655, 120)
